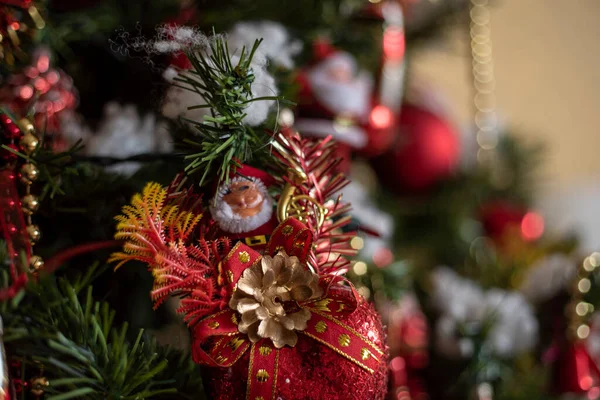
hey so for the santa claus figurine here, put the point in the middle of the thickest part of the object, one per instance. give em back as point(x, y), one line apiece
point(243, 208)
point(337, 99)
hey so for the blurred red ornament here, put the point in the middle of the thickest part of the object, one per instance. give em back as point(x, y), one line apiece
point(393, 43)
point(574, 370)
point(426, 151)
point(502, 220)
point(381, 117)
point(381, 131)
point(49, 90)
point(383, 257)
point(312, 371)
point(408, 337)
point(532, 226)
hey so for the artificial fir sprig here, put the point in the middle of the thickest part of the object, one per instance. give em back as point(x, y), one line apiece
point(224, 81)
point(57, 325)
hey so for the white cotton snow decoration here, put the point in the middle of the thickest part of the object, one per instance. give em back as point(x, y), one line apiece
point(176, 103)
point(515, 327)
point(277, 45)
point(179, 100)
point(263, 86)
point(124, 133)
point(462, 302)
point(547, 277)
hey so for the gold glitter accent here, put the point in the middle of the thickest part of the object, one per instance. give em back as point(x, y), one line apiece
point(259, 398)
point(341, 353)
point(341, 306)
point(299, 245)
point(344, 340)
point(250, 368)
point(234, 318)
point(299, 206)
point(236, 343)
point(262, 375)
point(349, 329)
point(230, 276)
point(221, 360)
point(320, 327)
point(275, 373)
point(365, 353)
point(244, 257)
point(287, 230)
point(265, 350)
point(321, 305)
point(213, 325)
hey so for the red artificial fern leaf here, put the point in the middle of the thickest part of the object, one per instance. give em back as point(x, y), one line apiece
point(316, 160)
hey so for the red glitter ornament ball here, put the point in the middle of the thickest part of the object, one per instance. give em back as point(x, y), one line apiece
point(425, 152)
point(48, 89)
point(502, 219)
point(313, 371)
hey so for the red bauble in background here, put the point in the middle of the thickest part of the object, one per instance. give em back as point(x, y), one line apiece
point(504, 220)
point(426, 151)
point(313, 371)
point(574, 371)
point(49, 90)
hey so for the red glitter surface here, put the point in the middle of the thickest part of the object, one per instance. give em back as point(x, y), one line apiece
point(313, 371)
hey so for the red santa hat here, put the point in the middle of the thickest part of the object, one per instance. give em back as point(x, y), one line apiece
point(324, 53)
point(255, 173)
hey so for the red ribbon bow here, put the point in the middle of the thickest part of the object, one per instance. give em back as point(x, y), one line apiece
point(218, 343)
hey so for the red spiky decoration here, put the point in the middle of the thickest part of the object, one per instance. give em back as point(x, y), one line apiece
point(161, 227)
point(315, 160)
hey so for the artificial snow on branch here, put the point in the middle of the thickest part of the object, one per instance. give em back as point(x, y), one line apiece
point(277, 47)
point(236, 93)
point(505, 319)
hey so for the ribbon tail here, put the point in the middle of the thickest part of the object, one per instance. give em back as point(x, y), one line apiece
point(229, 345)
point(262, 371)
point(344, 340)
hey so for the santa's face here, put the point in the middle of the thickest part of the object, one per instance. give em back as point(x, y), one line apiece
point(339, 87)
point(242, 205)
point(244, 198)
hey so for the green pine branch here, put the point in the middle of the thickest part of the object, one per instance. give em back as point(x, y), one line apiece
point(57, 326)
point(225, 140)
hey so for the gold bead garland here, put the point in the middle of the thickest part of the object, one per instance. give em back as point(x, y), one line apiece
point(28, 174)
point(578, 310)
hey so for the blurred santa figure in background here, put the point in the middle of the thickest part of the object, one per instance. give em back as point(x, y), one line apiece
point(337, 98)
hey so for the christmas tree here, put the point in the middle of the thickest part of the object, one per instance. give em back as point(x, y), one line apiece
point(234, 199)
